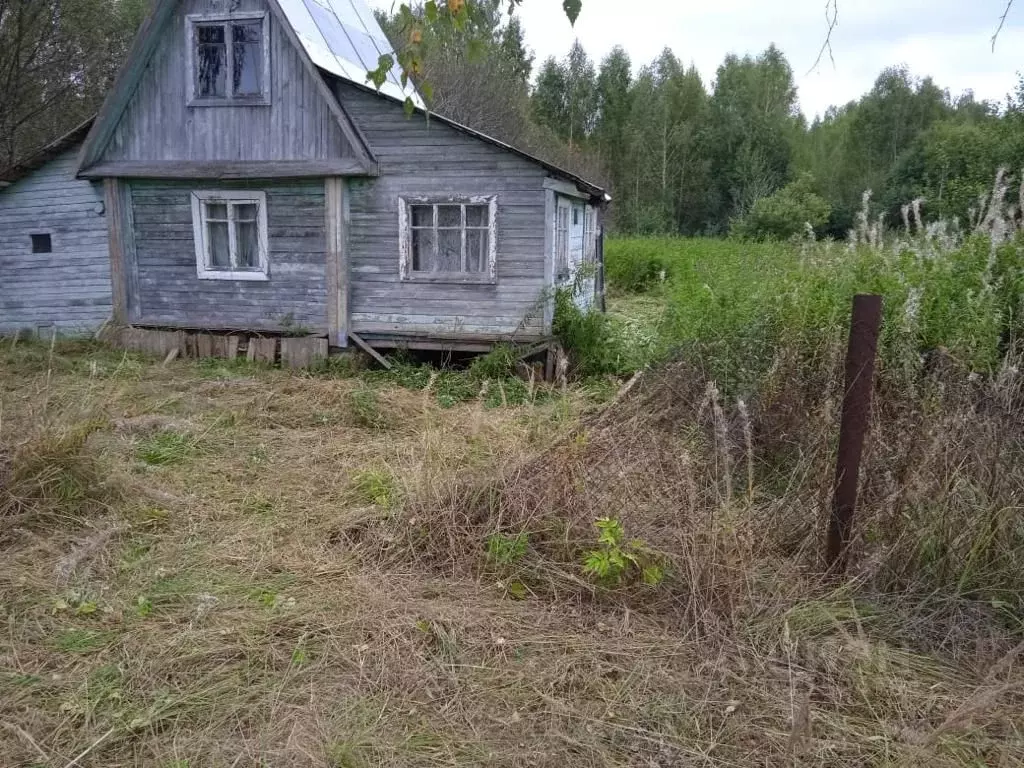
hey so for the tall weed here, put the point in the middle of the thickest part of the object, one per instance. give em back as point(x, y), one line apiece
point(732, 305)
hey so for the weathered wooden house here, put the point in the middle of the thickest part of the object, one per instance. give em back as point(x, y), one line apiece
point(54, 262)
point(252, 183)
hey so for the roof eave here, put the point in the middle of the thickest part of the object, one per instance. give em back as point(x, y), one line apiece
point(43, 155)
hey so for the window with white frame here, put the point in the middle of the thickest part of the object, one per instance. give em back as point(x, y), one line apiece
point(453, 239)
point(230, 231)
point(562, 240)
point(590, 235)
point(229, 60)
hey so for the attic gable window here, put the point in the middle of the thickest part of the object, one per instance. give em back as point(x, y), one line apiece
point(448, 239)
point(229, 61)
point(230, 232)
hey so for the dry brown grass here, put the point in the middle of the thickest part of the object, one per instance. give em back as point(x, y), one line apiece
point(264, 576)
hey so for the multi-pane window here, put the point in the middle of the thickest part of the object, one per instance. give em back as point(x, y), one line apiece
point(562, 242)
point(229, 61)
point(450, 239)
point(230, 231)
point(590, 236)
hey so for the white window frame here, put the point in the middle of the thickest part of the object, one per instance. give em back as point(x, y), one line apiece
point(405, 239)
point(563, 236)
point(230, 198)
point(589, 235)
point(229, 99)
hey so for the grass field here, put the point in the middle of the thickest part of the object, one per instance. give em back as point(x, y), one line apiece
point(213, 564)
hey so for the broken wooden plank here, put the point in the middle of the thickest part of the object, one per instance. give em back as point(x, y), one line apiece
point(369, 350)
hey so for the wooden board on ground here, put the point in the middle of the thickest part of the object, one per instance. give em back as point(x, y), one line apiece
point(301, 352)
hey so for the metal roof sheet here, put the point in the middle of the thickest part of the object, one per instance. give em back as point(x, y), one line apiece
point(344, 38)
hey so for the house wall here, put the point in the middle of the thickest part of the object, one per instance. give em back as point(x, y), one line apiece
point(165, 290)
point(69, 288)
point(419, 157)
point(157, 125)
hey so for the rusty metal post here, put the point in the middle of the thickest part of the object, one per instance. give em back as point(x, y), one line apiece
point(860, 372)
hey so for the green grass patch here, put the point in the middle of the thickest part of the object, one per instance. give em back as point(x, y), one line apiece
point(168, 447)
point(82, 640)
point(366, 409)
point(376, 486)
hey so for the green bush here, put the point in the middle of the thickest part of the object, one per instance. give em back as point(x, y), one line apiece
point(591, 339)
point(637, 264)
point(786, 213)
point(499, 363)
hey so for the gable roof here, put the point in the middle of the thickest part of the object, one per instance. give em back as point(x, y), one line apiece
point(149, 37)
point(42, 156)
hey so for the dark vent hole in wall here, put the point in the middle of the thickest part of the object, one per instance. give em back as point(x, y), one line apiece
point(41, 244)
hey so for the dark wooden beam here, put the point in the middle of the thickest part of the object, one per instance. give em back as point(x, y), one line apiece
point(337, 261)
point(220, 170)
point(113, 201)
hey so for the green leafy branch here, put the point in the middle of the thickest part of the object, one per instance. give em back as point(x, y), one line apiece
point(615, 561)
point(410, 56)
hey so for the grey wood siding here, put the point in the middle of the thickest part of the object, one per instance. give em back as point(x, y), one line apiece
point(169, 293)
point(421, 158)
point(69, 288)
point(157, 125)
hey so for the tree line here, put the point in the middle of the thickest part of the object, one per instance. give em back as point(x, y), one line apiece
point(679, 155)
point(688, 157)
point(58, 58)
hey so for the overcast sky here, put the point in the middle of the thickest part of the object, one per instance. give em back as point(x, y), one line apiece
point(947, 39)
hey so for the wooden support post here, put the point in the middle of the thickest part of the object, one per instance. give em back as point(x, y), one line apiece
point(860, 371)
point(337, 262)
point(113, 202)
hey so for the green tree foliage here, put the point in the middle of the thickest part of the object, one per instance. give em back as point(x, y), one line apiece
point(550, 107)
point(57, 60)
point(753, 121)
point(786, 213)
point(665, 183)
point(613, 109)
point(565, 98)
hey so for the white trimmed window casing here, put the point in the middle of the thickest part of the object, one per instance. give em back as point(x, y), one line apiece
point(234, 82)
point(448, 239)
point(231, 237)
